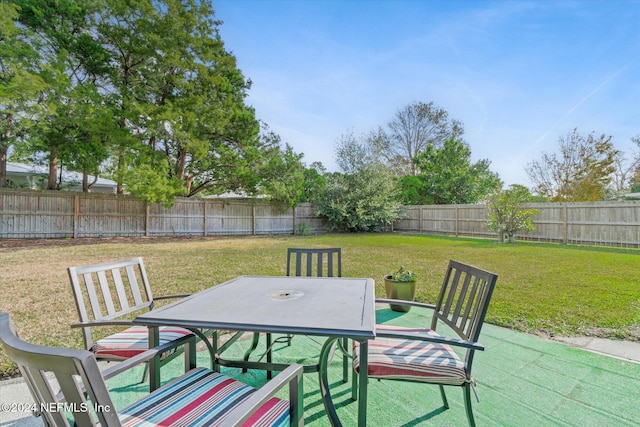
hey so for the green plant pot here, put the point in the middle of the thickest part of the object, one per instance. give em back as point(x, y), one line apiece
point(399, 290)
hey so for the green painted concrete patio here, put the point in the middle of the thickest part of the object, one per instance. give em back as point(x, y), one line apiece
point(523, 380)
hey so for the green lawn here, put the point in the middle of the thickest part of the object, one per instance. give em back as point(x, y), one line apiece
point(542, 288)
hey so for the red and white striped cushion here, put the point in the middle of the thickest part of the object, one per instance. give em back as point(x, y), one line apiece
point(201, 397)
point(412, 360)
point(133, 341)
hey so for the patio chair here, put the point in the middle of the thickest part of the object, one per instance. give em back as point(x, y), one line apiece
point(425, 356)
point(310, 262)
point(109, 294)
point(198, 395)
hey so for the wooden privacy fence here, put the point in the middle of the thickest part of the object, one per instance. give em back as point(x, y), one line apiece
point(30, 214)
point(26, 214)
point(583, 223)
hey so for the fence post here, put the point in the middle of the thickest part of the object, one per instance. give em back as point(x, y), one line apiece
point(76, 214)
point(420, 218)
point(253, 220)
point(204, 218)
point(295, 219)
point(146, 219)
point(565, 224)
point(457, 218)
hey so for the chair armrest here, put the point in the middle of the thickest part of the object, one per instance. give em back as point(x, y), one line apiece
point(145, 356)
point(405, 302)
point(171, 296)
point(291, 376)
point(420, 336)
point(102, 323)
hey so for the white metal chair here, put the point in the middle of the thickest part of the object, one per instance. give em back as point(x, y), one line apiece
point(212, 398)
point(109, 294)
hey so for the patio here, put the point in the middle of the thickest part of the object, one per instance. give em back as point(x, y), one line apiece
point(522, 380)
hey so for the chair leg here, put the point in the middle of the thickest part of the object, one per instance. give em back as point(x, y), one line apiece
point(354, 386)
point(444, 398)
point(345, 360)
point(145, 373)
point(254, 345)
point(467, 404)
point(269, 354)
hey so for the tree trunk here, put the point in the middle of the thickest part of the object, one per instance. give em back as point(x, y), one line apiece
point(3, 166)
point(53, 169)
point(119, 189)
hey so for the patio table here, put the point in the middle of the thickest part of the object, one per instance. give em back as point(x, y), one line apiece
point(332, 307)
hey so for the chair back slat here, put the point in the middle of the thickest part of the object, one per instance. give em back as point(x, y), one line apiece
point(123, 289)
point(319, 262)
point(106, 294)
point(120, 290)
point(91, 294)
point(462, 303)
point(469, 307)
point(70, 368)
point(135, 288)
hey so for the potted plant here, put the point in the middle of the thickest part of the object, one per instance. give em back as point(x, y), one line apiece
point(400, 285)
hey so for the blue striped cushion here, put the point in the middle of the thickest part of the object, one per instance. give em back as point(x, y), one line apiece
point(133, 341)
point(201, 397)
point(412, 360)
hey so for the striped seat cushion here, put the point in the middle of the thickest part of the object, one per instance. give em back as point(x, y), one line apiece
point(412, 360)
point(201, 397)
point(133, 341)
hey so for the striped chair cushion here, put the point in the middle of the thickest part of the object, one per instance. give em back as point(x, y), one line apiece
point(201, 397)
point(133, 341)
point(412, 360)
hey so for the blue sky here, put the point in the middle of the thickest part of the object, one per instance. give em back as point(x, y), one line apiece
point(518, 74)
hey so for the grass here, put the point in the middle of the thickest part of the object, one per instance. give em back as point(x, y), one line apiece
point(542, 288)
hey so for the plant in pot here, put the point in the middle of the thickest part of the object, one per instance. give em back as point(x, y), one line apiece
point(401, 285)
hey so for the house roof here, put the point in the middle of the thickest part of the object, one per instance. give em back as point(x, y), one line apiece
point(69, 177)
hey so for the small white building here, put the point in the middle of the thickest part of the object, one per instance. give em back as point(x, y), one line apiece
point(23, 175)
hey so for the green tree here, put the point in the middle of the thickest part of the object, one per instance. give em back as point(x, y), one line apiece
point(314, 181)
point(626, 168)
point(363, 197)
point(282, 173)
point(19, 83)
point(146, 91)
point(580, 172)
point(507, 216)
point(449, 177)
point(414, 128)
point(70, 62)
point(412, 191)
point(182, 96)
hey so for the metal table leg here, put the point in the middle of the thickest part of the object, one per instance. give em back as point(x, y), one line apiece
point(364, 370)
point(154, 362)
point(325, 354)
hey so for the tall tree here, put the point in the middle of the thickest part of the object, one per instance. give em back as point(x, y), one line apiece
point(282, 174)
point(580, 171)
point(182, 95)
point(627, 172)
point(19, 83)
point(449, 177)
point(413, 129)
point(70, 62)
